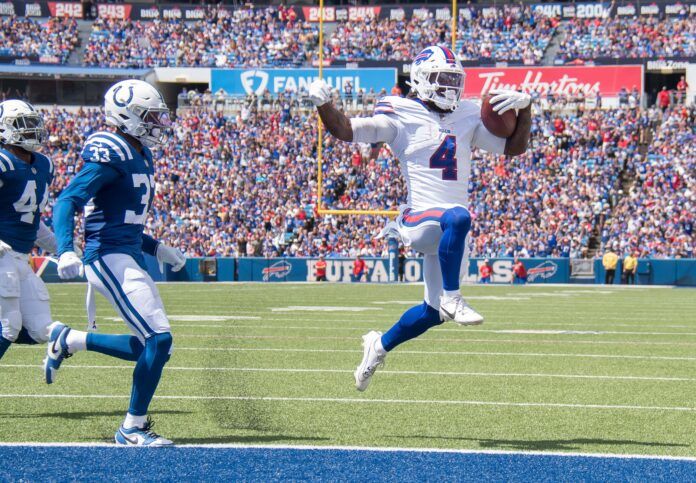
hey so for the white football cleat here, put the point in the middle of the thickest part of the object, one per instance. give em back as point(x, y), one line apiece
point(370, 361)
point(457, 310)
point(144, 436)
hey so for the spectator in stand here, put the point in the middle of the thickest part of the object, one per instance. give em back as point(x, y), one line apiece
point(682, 87)
point(519, 271)
point(359, 269)
point(664, 99)
point(630, 266)
point(321, 269)
point(609, 262)
point(485, 272)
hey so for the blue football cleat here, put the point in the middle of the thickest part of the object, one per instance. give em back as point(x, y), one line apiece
point(56, 351)
point(144, 436)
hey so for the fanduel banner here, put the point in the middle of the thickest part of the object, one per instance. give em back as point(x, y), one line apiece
point(243, 81)
point(586, 80)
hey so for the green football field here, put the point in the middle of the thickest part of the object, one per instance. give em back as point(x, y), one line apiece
point(582, 369)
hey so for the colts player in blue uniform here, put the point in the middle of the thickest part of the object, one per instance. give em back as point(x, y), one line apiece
point(116, 187)
point(25, 176)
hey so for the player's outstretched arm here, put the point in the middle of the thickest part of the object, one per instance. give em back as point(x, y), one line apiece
point(370, 130)
point(517, 143)
point(335, 121)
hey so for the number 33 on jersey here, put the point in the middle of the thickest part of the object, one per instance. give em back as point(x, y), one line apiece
point(116, 186)
point(23, 196)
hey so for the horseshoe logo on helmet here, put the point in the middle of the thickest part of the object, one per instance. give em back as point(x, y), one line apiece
point(123, 103)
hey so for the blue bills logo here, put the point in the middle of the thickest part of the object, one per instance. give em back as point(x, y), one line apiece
point(279, 269)
point(546, 270)
point(423, 56)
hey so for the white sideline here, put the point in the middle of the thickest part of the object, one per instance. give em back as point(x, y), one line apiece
point(429, 353)
point(395, 373)
point(349, 400)
point(385, 449)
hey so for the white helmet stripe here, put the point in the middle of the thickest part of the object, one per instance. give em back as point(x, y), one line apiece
point(127, 148)
point(9, 162)
point(117, 149)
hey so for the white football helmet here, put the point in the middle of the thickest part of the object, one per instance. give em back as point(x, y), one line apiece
point(21, 125)
point(138, 109)
point(437, 76)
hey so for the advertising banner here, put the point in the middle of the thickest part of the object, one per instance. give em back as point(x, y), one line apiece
point(247, 81)
point(540, 270)
point(587, 80)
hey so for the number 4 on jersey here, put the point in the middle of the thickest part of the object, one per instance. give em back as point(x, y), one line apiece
point(444, 158)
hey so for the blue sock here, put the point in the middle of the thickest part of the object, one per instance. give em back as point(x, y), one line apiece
point(413, 323)
point(126, 347)
point(455, 224)
point(148, 371)
point(4, 345)
point(24, 338)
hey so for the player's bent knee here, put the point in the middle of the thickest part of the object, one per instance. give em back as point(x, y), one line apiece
point(163, 344)
point(457, 218)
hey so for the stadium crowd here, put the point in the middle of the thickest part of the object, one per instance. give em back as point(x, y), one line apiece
point(634, 37)
point(249, 37)
point(504, 33)
point(245, 184)
point(277, 36)
point(51, 39)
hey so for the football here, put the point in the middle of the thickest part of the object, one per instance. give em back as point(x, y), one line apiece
point(502, 126)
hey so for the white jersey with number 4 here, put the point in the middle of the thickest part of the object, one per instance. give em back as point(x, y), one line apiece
point(434, 149)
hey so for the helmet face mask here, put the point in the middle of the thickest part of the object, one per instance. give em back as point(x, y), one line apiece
point(438, 77)
point(21, 125)
point(138, 109)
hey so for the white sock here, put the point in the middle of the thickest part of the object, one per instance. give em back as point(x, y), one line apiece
point(76, 340)
point(134, 421)
point(379, 348)
point(451, 293)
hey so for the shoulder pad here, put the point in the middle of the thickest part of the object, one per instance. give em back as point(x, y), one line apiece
point(106, 147)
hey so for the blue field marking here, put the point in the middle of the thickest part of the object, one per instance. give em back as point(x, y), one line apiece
point(230, 463)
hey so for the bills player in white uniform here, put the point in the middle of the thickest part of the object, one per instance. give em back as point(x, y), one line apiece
point(432, 133)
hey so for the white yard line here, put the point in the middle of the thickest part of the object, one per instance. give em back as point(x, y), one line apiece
point(428, 353)
point(395, 373)
point(458, 330)
point(349, 400)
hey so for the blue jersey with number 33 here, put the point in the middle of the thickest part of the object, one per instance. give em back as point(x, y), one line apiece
point(115, 186)
point(23, 196)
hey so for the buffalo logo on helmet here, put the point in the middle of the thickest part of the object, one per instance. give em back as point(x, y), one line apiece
point(423, 56)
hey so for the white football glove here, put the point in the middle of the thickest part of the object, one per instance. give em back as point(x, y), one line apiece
point(170, 256)
point(319, 92)
point(503, 100)
point(70, 266)
point(4, 248)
